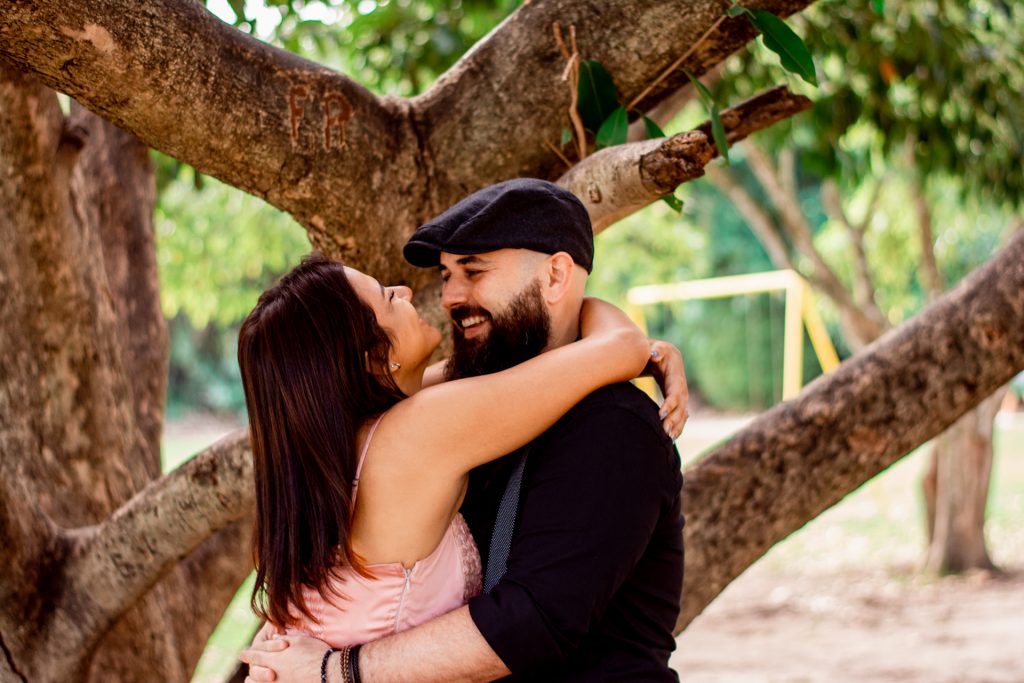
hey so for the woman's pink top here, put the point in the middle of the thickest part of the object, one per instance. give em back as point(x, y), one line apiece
point(396, 598)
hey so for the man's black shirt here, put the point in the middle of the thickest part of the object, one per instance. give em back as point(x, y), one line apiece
point(596, 563)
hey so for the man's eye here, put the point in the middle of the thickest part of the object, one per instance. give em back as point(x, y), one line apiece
point(472, 273)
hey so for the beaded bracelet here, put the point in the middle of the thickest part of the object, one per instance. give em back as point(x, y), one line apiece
point(323, 664)
point(343, 665)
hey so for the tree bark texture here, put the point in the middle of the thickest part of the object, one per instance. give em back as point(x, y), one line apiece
point(82, 383)
point(317, 145)
point(804, 455)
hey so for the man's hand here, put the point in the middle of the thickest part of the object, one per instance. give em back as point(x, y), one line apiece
point(287, 659)
point(666, 366)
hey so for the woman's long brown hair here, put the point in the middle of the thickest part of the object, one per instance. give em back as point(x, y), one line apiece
point(305, 353)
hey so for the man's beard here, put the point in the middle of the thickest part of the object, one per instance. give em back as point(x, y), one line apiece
point(517, 334)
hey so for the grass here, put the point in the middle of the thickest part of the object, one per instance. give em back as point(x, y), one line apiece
point(877, 526)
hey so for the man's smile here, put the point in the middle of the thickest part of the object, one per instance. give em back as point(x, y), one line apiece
point(472, 325)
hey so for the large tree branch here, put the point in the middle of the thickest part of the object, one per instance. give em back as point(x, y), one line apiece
point(616, 182)
point(517, 71)
point(190, 85)
point(111, 566)
point(804, 455)
point(273, 124)
point(621, 180)
point(257, 117)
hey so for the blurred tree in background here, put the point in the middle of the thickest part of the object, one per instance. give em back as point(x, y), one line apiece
point(901, 180)
point(217, 249)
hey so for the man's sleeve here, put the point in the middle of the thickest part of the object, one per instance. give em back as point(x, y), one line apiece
point(595, 494)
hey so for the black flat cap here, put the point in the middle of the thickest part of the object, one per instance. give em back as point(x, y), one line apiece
point(524, 213)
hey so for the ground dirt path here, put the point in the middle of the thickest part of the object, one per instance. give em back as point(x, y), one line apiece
point(858, 626)
point(841, 600)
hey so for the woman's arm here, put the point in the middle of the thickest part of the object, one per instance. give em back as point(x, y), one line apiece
point(461, 424)
point(665, 366)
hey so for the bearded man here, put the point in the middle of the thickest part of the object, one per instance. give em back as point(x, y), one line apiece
point(581, 531)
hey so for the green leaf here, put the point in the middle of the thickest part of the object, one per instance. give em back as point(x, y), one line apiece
point(717, 129)
point(718, 133)
point(614, 130)
point(598, 97)
point(736, 11)
point(674, 202)
point(879, 6)
point(566, 136)
point(702, 90)
point(780, 39)
point(652, 129)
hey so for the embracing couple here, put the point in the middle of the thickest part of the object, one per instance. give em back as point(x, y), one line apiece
point(513, 511)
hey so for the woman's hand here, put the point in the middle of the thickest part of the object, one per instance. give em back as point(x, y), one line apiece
point(266, 632)
point(666, 366)
point(286, 659)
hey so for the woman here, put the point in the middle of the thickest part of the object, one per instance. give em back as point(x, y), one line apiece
point(359, 474)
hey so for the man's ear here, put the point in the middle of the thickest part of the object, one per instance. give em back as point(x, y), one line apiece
point(557, 277)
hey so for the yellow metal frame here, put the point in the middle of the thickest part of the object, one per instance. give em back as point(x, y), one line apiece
point(800, 313)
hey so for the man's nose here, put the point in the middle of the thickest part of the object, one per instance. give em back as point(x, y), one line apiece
point(452, 294)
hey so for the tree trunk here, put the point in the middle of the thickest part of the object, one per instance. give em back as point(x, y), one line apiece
point(956, 492)
point(82, 384)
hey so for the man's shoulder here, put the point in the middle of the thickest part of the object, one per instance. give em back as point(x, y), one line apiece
point(621, 397)
point(613, 428)
point(616, 407)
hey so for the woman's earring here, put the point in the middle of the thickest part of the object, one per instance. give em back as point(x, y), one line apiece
point(395, 366)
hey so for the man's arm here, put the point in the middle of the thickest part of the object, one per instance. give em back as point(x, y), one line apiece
point(449, 648)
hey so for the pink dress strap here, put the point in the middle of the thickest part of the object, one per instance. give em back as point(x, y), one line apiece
point(362, 456)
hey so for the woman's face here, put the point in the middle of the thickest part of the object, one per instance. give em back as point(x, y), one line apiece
point(412, 338)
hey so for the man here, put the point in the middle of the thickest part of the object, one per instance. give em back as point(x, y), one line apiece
point(581, 532)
